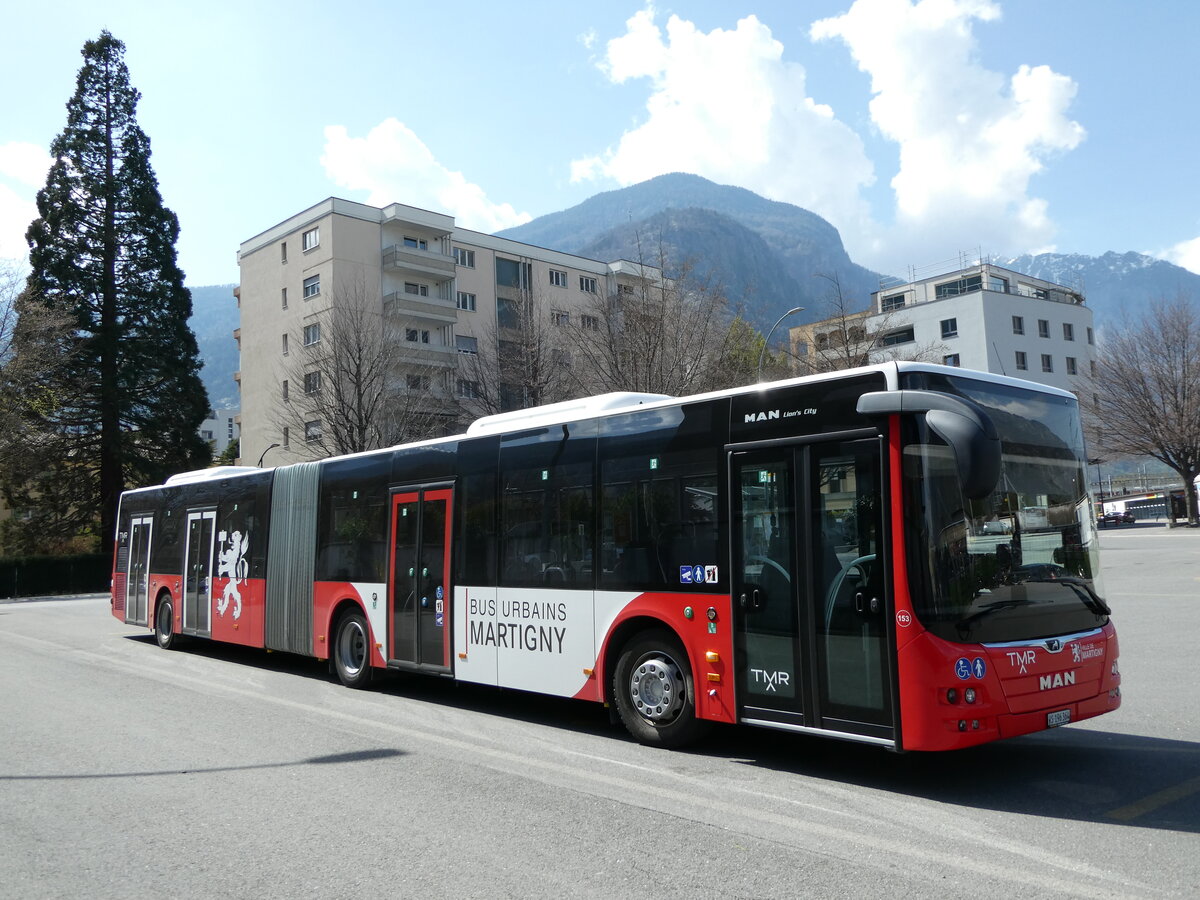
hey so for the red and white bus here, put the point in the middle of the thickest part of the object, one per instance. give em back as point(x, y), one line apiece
point(844, 554)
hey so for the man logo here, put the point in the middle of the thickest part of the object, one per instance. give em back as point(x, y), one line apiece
point(1057, 680)
point(761, 416)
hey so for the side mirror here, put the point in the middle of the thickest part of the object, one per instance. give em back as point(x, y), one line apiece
point(961, 423)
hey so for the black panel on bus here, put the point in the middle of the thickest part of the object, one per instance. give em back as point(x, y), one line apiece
point(475, 501)
point(802, 409)
point(352, 526)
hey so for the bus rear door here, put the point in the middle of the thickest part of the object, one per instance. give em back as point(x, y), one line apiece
point(809, 588)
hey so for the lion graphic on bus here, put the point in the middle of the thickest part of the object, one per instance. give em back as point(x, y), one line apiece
point(231, 564)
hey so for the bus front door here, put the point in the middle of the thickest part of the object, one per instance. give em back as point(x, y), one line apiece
point(137, 579)
point(419, 591)
point(809, 590)
point(197, 571)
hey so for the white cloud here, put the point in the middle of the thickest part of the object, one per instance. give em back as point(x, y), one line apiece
point(724, 105)
point(1186, 254)
point(25, 167)
point(970, 140)
point(393, 165)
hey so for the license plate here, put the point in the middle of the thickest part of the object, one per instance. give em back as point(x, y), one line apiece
point(1061, 717)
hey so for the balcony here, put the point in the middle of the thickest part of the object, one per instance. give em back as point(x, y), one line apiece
point(419, 262)
point(437, 309)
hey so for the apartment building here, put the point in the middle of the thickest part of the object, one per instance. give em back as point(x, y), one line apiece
point(981, 317)
point(441, 289)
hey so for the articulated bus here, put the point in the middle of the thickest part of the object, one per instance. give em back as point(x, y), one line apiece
point(849, 555)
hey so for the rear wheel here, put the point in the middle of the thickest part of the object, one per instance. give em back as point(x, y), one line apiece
point(164, 624)
point(352, 651)
point(655, 693)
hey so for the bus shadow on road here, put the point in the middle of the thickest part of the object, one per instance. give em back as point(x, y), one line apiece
point(1083, 775)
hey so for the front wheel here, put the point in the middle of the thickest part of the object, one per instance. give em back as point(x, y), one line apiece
point(164, 625)
point(352, 651)
point(655, 693)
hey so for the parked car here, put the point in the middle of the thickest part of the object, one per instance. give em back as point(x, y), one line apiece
point(1117, 518)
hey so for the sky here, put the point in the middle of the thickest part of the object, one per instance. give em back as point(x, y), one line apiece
point(921, 130)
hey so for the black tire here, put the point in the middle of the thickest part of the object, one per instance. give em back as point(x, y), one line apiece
point(655, 693)
point(352, 651)
point(164, 625)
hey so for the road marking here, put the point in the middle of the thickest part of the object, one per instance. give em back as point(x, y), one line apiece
point(1155, 801)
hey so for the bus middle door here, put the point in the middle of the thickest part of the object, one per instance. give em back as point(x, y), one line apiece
point(420, 597)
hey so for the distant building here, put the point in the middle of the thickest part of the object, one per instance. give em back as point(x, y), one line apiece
point(220, 429)
point(446, 288)
point(981, 317)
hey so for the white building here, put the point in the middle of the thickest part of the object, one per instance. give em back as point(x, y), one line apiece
point(447, 288)
point(220, 429)
point(982, 317)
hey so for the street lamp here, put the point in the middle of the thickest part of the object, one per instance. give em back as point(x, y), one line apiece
point(763, 352)
point(264, 454)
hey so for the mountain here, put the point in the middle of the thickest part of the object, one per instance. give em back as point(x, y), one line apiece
point(214, 317)
point(782, 241)
point(1112, 284)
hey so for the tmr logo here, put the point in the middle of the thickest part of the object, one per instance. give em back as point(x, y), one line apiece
point(1022, 659)
point(761, 416)
point(771, 681)
point(1057, 680)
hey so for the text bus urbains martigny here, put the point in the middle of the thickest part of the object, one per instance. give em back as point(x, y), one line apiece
point(844, 554)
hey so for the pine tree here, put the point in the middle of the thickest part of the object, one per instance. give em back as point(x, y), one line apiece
point(124, 405)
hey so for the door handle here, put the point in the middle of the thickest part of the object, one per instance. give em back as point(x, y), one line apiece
point(751, 602)
point(863, 605)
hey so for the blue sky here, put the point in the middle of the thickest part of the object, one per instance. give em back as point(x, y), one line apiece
point(919, 129)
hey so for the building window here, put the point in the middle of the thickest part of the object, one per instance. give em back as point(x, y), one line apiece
point(466, 344)
point(903, 336)
point(417, 382)
point(951, 359)
point(310, 240)
point(416, 335)
point(312, 334)
point(625, 290)
point(287, 437)
point(312, 431)
point(312, 382)
point(558, 317)
point(561, 358)
point(464, 257)
point(420, 290)
point(587, 285)
point(513, 273)
point(892, 303)
point(591, 323)
point(961, 286)
point(1068, 331)
point(1072, 368)
point(508, 313)
point(312, 286)
point(997, 284)
point(466, 301)
point(1022, 361)
point(1044, 328)
point(1092, 367)
point(558, 278)
point(283, 297)
point(1047, 362)
point(416, 243)
point(283, 252)
point(1018, 324)
point(283, 389)
point(469, 390)
point(1091, 337)
point(949, 328)
point(285, 344)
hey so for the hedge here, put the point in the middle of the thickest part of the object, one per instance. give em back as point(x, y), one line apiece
point(47, 576)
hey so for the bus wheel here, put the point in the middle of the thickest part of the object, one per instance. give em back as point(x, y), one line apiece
point(164, 625)
point(654, 692)
point(352, 651)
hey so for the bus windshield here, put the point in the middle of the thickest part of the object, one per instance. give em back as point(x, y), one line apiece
point(1021, 563)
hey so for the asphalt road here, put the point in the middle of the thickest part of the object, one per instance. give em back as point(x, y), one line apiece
point(127, 771)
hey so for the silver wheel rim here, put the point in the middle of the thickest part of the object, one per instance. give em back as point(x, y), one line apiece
point(164, 622)
point(656, 687)
point(352, 648)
